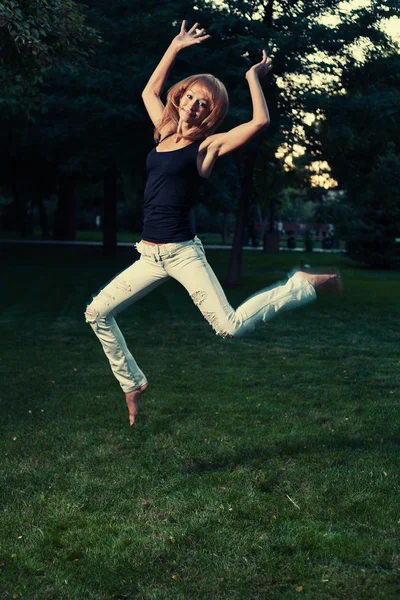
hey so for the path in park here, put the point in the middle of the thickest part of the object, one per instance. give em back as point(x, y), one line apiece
point(132, 244)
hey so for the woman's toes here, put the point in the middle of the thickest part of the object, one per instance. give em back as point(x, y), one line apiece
point(132, 402)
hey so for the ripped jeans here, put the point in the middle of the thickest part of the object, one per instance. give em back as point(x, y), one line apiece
point(185, 262)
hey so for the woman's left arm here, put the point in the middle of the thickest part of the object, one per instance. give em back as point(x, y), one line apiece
point(222, 143)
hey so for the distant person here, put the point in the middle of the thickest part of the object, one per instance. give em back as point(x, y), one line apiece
point(186, 152)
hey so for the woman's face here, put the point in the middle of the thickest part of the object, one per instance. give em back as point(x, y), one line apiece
point(194, 105)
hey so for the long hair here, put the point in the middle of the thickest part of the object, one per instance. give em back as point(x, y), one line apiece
point(218, 100)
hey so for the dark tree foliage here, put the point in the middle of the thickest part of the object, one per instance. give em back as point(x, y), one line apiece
point(359, 135)
point(36, 35)
point(301, 44)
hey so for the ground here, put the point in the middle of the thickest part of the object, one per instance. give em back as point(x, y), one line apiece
point(264, 467)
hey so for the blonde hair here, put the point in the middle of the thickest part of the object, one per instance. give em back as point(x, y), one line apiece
point(218, 104)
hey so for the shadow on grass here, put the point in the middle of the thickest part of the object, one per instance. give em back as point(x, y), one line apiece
point(259, 455)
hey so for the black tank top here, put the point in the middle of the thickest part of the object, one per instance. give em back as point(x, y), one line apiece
point(170, 193)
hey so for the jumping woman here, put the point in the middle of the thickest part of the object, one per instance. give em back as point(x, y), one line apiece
point(186, 152)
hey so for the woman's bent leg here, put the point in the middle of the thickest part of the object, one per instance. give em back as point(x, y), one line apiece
point(196, 275)
point(125, 289)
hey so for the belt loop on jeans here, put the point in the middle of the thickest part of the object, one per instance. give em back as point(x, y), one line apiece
point(157, 254)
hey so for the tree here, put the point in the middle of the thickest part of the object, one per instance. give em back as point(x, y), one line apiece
point(95, 120)
point(36, 35)
point(359, 135)
point(309, 53)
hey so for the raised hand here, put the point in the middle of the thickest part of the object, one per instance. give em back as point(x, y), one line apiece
point(262, 68)
point(188, 38)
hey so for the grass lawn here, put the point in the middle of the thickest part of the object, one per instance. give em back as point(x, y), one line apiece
point(259, 468)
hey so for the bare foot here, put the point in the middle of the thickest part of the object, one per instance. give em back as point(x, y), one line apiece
point(132, 402)
point(324, 282)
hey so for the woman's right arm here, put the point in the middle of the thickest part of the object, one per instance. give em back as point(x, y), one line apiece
point(152, 91)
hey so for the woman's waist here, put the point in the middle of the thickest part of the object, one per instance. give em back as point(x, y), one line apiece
point(152, 243)
point(167, 248)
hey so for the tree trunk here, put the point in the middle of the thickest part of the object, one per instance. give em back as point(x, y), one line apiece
point(43, 220)
point(20, 205)
point(235, 261)
point(20, 211)
point(271, 241)
point(110, 213)
point(65, 219)
point(272, 211)
point(225, 231)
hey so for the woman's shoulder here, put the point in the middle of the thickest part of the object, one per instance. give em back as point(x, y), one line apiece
point(206, 143)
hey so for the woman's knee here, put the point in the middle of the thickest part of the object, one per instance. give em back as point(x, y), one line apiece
point(96, 311)
point(224, 327)
point(99, 308)
point(97, 318)
point(91, 314)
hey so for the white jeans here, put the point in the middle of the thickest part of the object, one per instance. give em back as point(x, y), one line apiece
point(185, 262)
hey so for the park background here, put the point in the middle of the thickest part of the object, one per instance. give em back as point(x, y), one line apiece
point(264, 467)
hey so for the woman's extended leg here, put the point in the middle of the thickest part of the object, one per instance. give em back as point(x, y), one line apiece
point(192, 270)
point(125, 289)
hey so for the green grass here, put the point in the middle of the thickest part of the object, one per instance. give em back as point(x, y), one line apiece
point(259, 468)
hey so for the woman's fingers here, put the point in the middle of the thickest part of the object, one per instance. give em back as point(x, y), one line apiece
point(201, 33)
point(264, 66)
point(266, 61)
point(265, 57)
point(202, 39)
point(192, 29)
point(196, 37)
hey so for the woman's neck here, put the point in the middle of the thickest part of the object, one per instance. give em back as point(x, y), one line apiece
point(183, 130)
